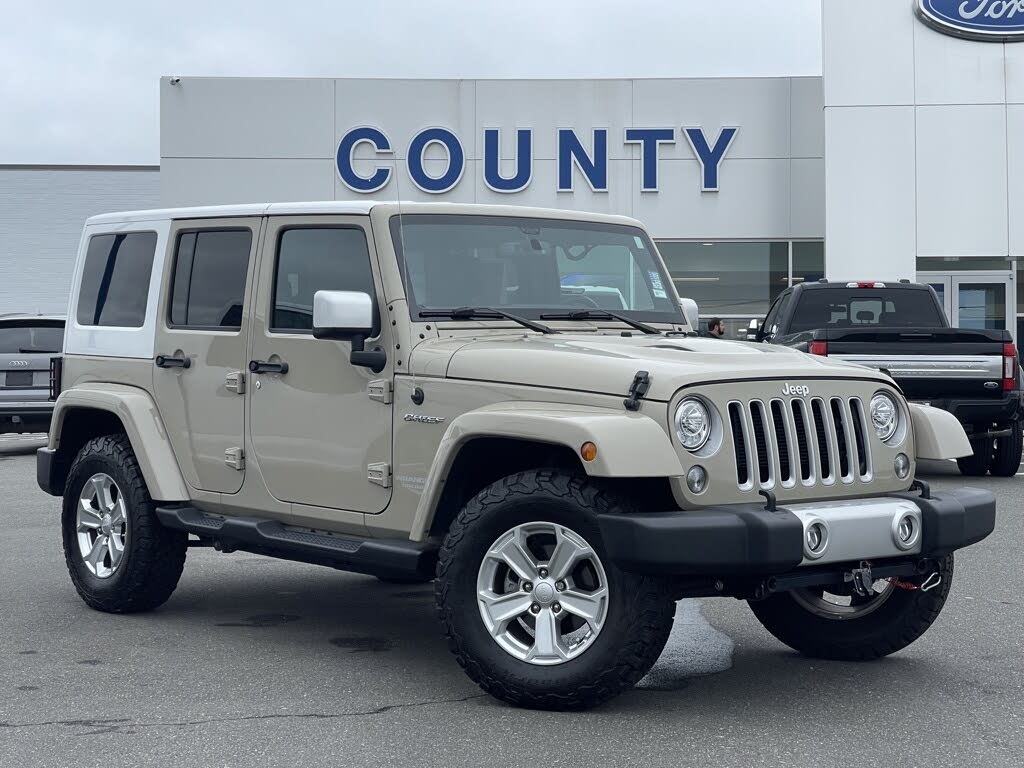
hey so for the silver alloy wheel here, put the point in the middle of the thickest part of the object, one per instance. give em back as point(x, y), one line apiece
point(542, 593)
point(830, 605)
point(102, 525)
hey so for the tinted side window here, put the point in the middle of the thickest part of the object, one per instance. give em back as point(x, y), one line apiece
point(209, 278)
point(317, 259)
point(115, 280)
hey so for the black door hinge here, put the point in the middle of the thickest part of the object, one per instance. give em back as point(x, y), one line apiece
point(641, 383)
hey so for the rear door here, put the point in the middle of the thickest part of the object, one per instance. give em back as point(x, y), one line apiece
point(201, 343)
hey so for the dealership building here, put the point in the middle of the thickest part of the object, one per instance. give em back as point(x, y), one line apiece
point(895, 163)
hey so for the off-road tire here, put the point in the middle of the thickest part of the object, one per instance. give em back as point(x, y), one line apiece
point(1007, 455)
point(978, 464)
point(640, 611)
point(154, 555)
point(894, 625)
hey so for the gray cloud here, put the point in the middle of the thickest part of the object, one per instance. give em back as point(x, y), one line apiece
point(80, 79)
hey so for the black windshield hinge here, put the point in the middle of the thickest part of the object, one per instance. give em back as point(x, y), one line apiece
point(641, 383)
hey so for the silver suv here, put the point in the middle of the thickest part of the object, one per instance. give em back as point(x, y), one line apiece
point(445, 392)
point(27, 345)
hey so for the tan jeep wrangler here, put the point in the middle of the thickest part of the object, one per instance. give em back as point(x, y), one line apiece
point(509, 401)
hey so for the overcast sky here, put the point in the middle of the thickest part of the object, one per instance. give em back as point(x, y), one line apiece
point(79, 80)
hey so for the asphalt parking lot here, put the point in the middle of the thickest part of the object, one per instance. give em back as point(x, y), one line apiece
point(256, 662)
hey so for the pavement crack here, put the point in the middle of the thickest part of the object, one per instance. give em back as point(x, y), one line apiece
point(97, 726)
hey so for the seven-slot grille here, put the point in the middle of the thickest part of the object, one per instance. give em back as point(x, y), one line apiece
point(784, 442)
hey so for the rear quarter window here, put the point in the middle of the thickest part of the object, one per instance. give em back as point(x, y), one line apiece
point(115, 280)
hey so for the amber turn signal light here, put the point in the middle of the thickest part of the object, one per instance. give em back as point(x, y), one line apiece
point(588, 451)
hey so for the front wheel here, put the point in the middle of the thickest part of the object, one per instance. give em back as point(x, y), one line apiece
point(533, 609)
point(836, 623)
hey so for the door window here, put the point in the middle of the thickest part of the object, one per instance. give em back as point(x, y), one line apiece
point(311, 259)
point(210, 267)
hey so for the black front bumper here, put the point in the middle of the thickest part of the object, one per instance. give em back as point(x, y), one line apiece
point(747, 539)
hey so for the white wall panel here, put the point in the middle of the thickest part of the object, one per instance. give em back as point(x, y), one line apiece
point(402, 108)
point(869, 188)
point(247, 117)
point(868, 52)
point(759, 106)
point(753, 202)
point(807, 197)
point(547, 105)
point(807, 118)
point(1015, 175)
point(961, 181)
point(949, 70)
point(222, 181)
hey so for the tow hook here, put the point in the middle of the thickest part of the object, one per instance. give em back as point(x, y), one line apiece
point(932, 582)
point(861, 579)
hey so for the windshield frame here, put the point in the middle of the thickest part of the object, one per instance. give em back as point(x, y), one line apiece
point(676, 317)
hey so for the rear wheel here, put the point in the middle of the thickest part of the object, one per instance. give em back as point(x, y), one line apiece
point(120, 558)
point(534, 610)
point(839, 624)
point(1007, 454)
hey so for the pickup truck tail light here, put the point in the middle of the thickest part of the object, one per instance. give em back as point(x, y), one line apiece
point(820, 348)
point(1009, 367)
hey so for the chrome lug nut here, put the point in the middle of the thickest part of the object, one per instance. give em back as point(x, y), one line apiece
point(535, 608)
point(543, 573)
point(556, 607)
point(527, 586)
point(560, 586)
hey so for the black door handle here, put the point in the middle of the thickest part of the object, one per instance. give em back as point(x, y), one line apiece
point(262, 366)
point(162, 361)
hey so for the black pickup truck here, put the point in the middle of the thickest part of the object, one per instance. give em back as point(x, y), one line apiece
point(901, 328)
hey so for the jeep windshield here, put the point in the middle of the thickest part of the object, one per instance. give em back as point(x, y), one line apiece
point(532, 267)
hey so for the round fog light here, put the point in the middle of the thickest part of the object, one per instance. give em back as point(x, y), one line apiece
point(697, 479)
point(906, 531)
point(901, 465)
point(815, 540)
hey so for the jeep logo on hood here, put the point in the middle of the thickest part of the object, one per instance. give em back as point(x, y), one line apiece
point(796, 390)
point(997, 20)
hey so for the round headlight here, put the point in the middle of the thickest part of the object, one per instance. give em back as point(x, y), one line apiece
point(885, 416)
point(693, 424)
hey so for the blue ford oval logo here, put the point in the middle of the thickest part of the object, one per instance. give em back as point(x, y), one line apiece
point(998, 20)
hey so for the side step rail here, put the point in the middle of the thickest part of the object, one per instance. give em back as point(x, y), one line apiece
point(391, 558)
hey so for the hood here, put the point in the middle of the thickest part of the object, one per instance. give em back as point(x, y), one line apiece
point(607, 364)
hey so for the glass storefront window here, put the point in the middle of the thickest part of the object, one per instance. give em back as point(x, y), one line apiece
point(738, 281)
point(808, 261)
point(728, 278)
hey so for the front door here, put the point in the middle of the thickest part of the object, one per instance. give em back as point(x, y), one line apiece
point(978, 299)
point(201, 341)
point(315, 431)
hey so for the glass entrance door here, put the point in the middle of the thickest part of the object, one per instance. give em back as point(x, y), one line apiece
point(981, 303)
point(979, 300)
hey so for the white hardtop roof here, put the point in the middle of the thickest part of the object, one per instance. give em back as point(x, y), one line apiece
point(349, 207)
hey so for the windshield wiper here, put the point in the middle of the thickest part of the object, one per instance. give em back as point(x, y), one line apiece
point(601, 314)
point(474, 313)
point(34, 351)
